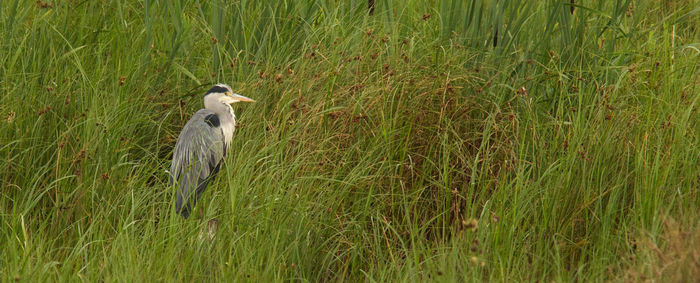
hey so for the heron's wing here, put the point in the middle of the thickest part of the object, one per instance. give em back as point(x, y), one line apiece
point(197, 158)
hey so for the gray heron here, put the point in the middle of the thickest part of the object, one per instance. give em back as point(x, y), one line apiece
point(202, 146)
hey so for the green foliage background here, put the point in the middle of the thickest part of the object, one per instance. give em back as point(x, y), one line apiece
point(434, 140)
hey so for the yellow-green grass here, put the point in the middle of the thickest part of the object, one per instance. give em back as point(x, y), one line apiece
point(431, 141)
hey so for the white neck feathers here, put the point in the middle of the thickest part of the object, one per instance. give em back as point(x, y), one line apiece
point(214, 102)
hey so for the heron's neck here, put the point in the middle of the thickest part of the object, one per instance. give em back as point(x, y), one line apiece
point(225, 113)
point(223, 110)
point(228, 121)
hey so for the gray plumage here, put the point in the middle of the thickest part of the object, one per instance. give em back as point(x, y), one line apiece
point(197, 157)
point(202, 145)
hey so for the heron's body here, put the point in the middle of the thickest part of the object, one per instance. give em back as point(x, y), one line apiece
point(202, 146)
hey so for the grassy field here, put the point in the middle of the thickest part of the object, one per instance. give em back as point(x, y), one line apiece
point(430, 141)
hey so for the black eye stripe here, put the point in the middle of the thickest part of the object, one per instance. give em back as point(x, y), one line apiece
point(217, 89)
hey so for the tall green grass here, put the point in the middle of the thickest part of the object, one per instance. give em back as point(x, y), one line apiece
point(431, 141)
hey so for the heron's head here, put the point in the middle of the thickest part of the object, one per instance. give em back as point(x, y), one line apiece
point(222, 94)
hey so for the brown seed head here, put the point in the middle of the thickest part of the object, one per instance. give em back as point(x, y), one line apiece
point(522, 91)
point(44, 110)
point(10, 117)
point(472, 224)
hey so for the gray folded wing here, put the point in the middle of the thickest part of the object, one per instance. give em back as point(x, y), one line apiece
point(196, 158)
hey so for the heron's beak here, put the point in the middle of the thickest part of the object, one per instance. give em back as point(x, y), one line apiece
point(237, 97)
